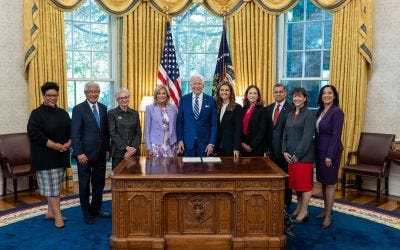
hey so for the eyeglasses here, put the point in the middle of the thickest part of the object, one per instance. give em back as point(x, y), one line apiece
point(92, 91)
point(123, 98)
point(51, 96)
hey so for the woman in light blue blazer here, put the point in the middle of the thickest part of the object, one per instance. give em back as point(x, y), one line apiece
point(160, 126)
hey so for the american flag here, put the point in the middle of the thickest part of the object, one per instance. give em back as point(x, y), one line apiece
point(168, 72)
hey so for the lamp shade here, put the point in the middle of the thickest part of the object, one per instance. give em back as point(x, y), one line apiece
point(146, 100)
point(239, 100)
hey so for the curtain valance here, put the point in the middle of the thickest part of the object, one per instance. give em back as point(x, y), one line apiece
point(222, 7)
point(112, 7)
point(66, 5)
point(330, 5)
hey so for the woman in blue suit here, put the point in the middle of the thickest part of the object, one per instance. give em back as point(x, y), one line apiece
point(329, 147)
point(160, 127)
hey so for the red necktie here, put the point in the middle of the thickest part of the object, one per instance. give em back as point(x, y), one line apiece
point(276, 113)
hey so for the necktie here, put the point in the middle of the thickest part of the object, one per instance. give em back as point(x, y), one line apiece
point(196, 108)
point(276, 113)
point(96, 115)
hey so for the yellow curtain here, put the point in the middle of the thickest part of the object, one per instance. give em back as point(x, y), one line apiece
point(350, 68)
point(44, 50)
point(252, 42)
point(143, 38)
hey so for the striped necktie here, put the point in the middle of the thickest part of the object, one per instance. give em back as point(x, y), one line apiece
point(96, 114)
point(196, 108)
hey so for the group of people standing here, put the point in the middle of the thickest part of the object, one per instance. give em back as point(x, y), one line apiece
point(201, 126)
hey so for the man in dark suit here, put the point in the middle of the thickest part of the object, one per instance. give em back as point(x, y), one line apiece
point(276, 117)
point(91, 145)
point(196, 123)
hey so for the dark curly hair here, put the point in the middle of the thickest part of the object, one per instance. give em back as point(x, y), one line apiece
point(49, 85)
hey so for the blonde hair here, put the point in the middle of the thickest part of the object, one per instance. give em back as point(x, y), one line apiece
point(158, 88)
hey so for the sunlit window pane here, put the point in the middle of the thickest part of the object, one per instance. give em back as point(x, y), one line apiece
point(294, 64)
point(312, 64)
point(308, 32)
point(313, 36)
point(88, 53)
point(197, 35)
point(313, 13)
point(295, 36)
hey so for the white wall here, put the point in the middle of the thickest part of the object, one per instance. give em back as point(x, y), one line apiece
point(14, 111)
point(383, 102)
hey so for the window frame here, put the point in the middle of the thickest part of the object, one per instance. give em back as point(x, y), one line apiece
point(281, 52)
point(113, 79)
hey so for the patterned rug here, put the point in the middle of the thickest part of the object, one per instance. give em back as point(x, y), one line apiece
point(373, 214)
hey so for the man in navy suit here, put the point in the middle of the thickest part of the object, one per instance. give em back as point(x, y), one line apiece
point(196, 123)
point(91, 145)
point(277, 113)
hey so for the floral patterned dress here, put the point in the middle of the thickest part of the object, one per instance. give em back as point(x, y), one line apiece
point(165, 149)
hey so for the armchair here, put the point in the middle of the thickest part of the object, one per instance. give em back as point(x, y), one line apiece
point(372, 160)
point(15, 160)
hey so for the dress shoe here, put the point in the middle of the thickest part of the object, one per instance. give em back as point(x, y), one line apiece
point(101, 214)
point(298, 221)
point(89, 219)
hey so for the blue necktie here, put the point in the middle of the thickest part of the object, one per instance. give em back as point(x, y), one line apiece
point(96, 115)
point(196, 108)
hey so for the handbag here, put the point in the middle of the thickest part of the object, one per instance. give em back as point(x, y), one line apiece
point(68, 180)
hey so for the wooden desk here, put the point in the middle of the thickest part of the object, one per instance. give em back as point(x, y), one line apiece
point(395, 156)
point(166, 204)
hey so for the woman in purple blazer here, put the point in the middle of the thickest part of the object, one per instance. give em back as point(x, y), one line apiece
point(160, 126)
point(329, 147)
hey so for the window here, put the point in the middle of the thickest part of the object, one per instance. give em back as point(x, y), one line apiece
point(89, 53)
point(305, 52)
point(197, 35)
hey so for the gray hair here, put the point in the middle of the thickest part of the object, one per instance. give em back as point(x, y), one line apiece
point(196, 75)
point(88, 84)
point(120, 91)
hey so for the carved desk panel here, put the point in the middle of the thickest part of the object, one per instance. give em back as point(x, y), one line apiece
point(167, 204)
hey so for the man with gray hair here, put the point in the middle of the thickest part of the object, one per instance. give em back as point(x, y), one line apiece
point(197, 121)
point(91, 145)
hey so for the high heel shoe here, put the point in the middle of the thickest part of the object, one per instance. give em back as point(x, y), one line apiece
point(59, 222)
point(321, 215)
point(327, 222)
point(298, 221)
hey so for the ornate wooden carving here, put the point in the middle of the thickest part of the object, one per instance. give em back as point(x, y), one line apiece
point(229, 206)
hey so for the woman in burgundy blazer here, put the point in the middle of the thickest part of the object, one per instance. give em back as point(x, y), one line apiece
point(329, 147)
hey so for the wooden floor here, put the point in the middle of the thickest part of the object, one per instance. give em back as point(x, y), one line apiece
point(389, 203)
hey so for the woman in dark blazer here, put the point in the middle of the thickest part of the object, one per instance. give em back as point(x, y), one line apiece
point(125, 130)
point(254, 123)
point(229, 121)
point(160, 126)
point(329, 147)
point(298, 150)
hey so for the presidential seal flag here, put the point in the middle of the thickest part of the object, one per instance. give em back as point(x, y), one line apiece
point(168, 72)
point(223, 69)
